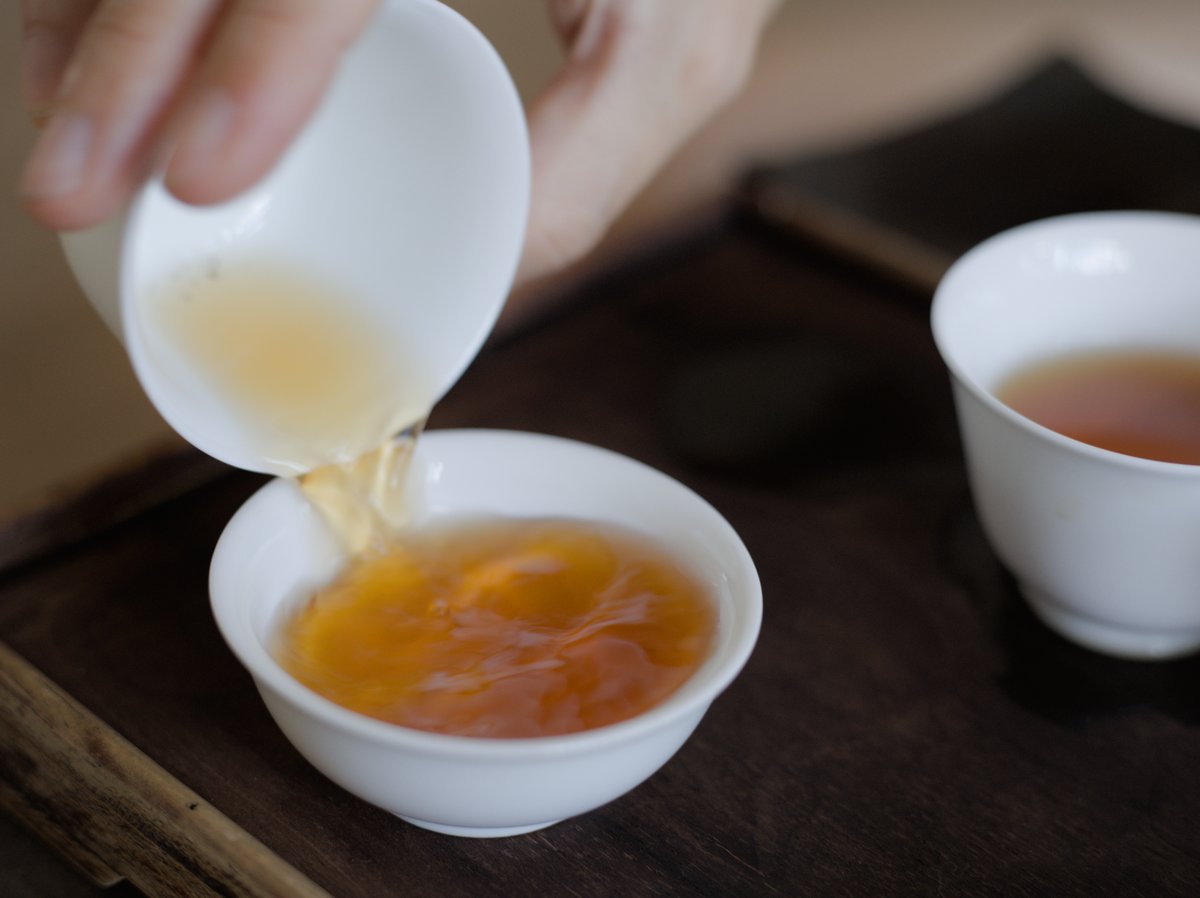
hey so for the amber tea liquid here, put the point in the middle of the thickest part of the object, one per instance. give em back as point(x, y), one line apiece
point(1140, 403)
point(299, 363)
point(504, 628)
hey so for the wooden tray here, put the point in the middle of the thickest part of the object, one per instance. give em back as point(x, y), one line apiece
point(904, 726)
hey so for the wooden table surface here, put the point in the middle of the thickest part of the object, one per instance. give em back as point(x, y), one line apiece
point(904, 726)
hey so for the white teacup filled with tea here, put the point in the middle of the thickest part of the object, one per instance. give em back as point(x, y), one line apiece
point(588, 691)
point(1074, 350)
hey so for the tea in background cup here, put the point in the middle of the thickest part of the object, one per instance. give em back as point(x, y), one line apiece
point(1104, 545)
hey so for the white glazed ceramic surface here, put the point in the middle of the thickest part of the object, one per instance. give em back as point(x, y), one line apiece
point(276, 549)
point(408, 190)
point(1105, 547)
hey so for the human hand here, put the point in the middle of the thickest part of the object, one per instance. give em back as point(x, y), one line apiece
point(641, 76)
point(218, 88)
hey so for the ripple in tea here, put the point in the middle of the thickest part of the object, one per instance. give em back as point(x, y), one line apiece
point(1142, 403)
point(506, 628)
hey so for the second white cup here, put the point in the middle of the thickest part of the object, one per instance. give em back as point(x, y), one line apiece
point(1105, 546)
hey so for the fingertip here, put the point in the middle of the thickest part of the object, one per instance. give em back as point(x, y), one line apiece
point(222, 148)
point(57, 187)
point(195, 191)
point(70, 213)
point(205, 186)
point(58, 163)
point(197, 171)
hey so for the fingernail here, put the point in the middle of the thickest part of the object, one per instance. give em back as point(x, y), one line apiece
point(202, 135)
point(58, 162)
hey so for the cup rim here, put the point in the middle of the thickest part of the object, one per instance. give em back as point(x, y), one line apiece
point(705, 684)
point(1022, 232)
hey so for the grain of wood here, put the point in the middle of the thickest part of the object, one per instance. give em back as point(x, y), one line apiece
point(112, 812)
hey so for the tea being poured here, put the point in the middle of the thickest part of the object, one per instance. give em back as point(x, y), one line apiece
point(501, 628)
point(309, 372)
point(1140, 403)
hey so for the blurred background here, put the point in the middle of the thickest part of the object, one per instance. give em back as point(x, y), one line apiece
point(831, 74)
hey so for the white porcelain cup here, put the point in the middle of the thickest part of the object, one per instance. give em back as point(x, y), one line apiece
point(408, 191)
point(277, 549)
point(1105, 547)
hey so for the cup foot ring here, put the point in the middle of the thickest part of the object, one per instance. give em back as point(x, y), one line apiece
point(477, 832)
point(1111, 639)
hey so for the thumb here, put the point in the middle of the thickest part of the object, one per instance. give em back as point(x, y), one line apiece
point(640, 78)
